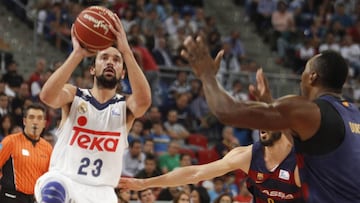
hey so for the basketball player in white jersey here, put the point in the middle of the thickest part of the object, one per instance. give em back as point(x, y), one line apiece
point(87, 159)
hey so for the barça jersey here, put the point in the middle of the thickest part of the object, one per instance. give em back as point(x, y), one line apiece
point(92, 140)
point(277, 186)
point(334, 176)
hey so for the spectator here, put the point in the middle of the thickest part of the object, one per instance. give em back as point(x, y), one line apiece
point(128, 19)
point(182, 197)
point(161, 139)
point(136, 131)
point(189, 24)
point(306, 51)
point(204, 121)
point(39, 69)
point(12, 78)
point(199, 18)
point(150, 68)
point(219, 188)
point(150, 169)
point(284, 27)
point(224, 198)
point(50, 138)
point(173, 23)
point(4, 104)
point(180, 85)
point(244, 195)
point(148, 147)
point(228, 142)
point(237, 46)
point(229, 66)
point(351, 52)
point(149, 27)
point(158, 8)
point(185, 160)
point(123, 195)
point(262, 18)
point(338, 30)
point(17, 103)
point(134, 159)
point(36, 86)
point(199, 195)
point(238, 92)
point(330, 43)
point(175, 41)
point(354, 31)
point(152, 115)
point(175, 130)
point(170, 160)
point(162, 54)
point(6, 126)
point(342, 17)
point(181, 105)
point(146, 196)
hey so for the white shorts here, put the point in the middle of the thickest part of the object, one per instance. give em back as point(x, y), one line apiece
point(76, 192)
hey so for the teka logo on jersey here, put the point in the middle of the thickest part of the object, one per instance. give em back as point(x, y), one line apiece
point(91, 140)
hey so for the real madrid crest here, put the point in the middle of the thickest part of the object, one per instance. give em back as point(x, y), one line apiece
point(82, 108)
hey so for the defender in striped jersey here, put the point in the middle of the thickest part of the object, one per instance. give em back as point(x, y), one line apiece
point(269, 163)
point(24, 157)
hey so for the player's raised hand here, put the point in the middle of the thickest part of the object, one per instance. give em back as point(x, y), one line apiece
point(119, 31)
point(262, 90)
point(77, 47)
point(131, 184)
point(196, 52)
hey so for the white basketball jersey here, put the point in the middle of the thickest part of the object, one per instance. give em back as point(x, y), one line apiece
point(92, 140)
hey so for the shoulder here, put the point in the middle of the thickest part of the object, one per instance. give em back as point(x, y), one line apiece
point(12, 137)
point(294, 103)
point(45, 144)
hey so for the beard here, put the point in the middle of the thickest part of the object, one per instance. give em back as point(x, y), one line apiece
point(106, 83)
point(271, 140)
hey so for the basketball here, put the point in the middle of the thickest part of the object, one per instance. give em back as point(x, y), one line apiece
point(92, 28)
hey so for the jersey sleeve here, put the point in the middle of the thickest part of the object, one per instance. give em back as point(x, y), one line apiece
point(5, 150)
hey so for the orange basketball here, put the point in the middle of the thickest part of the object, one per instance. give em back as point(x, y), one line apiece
point(92, 28)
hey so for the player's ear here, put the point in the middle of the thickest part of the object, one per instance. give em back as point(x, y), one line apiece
point(123, 72)
point(314, 76)
point(92, 70)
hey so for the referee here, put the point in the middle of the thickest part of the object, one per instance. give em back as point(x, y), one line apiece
point(24, 157)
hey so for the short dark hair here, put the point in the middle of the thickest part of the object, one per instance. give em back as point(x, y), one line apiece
point(36, 106)
point(332, 68)
point(141, 191)
point(133, 142)
point(150, 157)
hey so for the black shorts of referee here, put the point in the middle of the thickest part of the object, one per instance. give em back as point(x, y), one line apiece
point(11, 196)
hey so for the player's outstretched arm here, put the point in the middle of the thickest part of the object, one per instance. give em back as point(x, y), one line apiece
point(238, 158)
point(296, 113)
point(55, 92)
point(140, 99)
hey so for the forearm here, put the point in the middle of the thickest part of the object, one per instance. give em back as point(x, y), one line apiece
point(219, 101)
point(141, 96)
point(177, 177)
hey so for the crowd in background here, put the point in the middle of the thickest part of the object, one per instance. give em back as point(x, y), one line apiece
point(179, 129)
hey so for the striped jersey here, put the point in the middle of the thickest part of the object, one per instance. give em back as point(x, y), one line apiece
point(92, 140)
point(23, 161)
point(276, 186)
point(334, 177)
